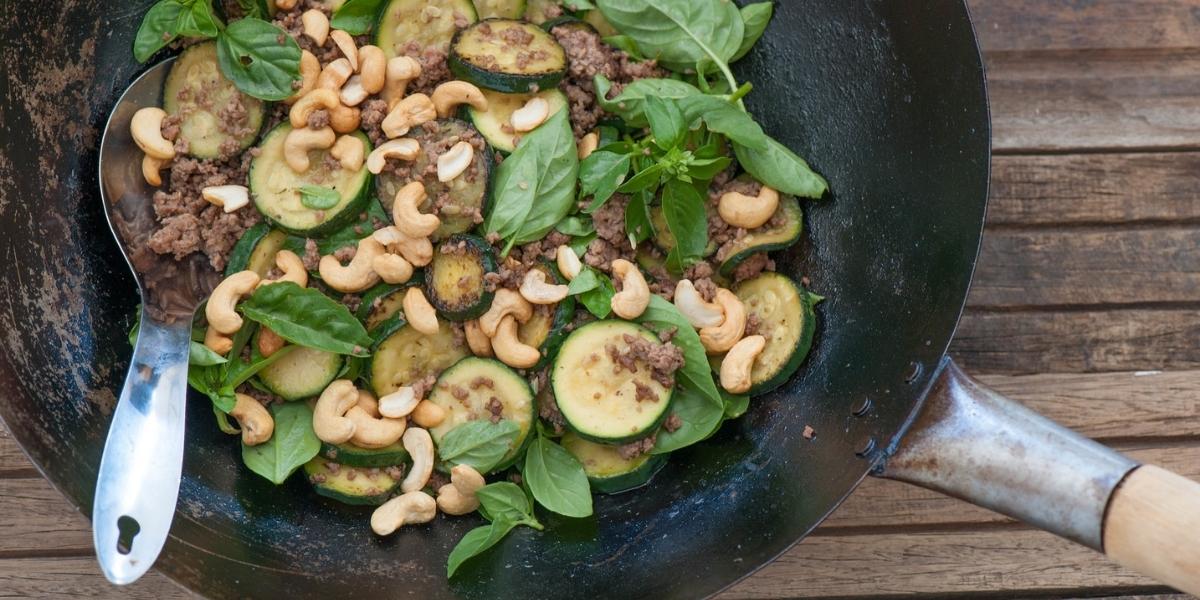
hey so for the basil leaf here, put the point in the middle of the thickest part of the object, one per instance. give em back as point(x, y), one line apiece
point(223, 422)
point(631, 102)
point(599, 176)
point(252, 56)
point(319, 198)
point(201, 356)
point(475, 543)
point(556, 479)
point(580, 244)
point(698, 418)
point(240, 372)
point(735, 404)
point(666, 122)
point(137, 326)
point(197, 20)
point(208, 381)
point(679, 33)
point(780, 168)
point(307, 317)
point(506, 501)
point(695, 373)
point(724, 118)
point(637, 219)
point(595, 291)
point(686, 218)
point(646, 178)
point(754, 19)
point(705, 169)
point(292, 444)
point(625, 44)
point(157, 29)
point(575, 226)
point(587, 279)
point(480, 444)
point(356, 17)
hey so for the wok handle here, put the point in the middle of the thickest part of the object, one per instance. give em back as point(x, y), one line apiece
point(970, 442)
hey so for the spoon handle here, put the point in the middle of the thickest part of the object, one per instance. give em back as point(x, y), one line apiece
point(143, 457)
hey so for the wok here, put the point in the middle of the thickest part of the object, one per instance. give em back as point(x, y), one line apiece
point(887, 100)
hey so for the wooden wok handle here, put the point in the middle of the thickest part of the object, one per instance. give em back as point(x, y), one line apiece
point(1153, 527)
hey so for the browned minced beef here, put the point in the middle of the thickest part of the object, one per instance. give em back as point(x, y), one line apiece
point(170, 127)
point(312, 255)
point(318, 119)
point(234, 120)
point(643, 392)
point(352, 301)
point(264, 398)
point(751, 267)
point(495, 408)
point(508, 275)
point(637, 448)
point(663, 359)
point(423, 385)
point(611, 241)
point(292, 24)
point(345, 253)
point(434, 69)
point(395, 472)
point(481, 381)
point(672, 423)
point(753, 321)
point(545, 248)
point(437, 479)
point(374, 111)
point(587, 55)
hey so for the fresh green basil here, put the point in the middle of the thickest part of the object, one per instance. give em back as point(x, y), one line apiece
point(698, 419)
point(647, 178)
point(197, 20)
point(476, 542)
point(259, 58)
point(579, 244)
point(170, 19)
point(575, 226)
point(356, 17)
point(704, 169)
point(319, 198)
point(780, 168)
point(600, 174)
point(506, 501)
point(637, 219)
point(625, 44)
point(594, 290)
point(201, 356)
point(681, 34)
point(556, 479)
point(307, 317)
point(479, 444)
point(735, 404)
point(683, 208)
point(223, 422)
point(724, 118)
point(666, 122)
point(754, 18)
point(695, 373)
point(630, 104)
point(293, 444)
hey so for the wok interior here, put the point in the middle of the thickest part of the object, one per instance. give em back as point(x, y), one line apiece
point(885, 99)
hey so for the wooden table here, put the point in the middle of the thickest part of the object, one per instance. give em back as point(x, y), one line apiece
point(1085, 307)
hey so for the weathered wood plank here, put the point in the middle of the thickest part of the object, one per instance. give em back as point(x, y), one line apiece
point(1070, 24)
point(11, 456)
point(77, 577)
point(35, 517)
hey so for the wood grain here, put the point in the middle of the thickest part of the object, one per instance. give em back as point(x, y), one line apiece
point(1071, 24)
point(37, 519)
point(77, 577)
point(1151, 527)
point(12, 459)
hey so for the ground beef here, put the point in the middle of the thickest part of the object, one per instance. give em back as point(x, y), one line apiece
point(170, 127)
point(312, 255)
point(437, 479)
point(509, 275)
point(663, 359)
point(423, 385)
point(706, 288)
point(264, 398)
point(434, 69)
point(352, 301)
point(751, 267)
point(373, 113)
point(600, 255)
point(753, 321)
point(318, 119)
point(482, 382)
point(637, 448)
point(643, 392)
point(496, 408)
point(345, 253)
point(673, 423)
point(395, 472)
point(588, 56)
point(459, 393)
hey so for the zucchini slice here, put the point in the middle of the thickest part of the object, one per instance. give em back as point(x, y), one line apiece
point(494, 122)
point(275, 187)
point(455, 283)
point(503, 9)
point(606, 470)
point(463, 198)
point(349, 485)
point(573, 23)
point(408, 356)
point(475, 387)
point(507, 56)
point(410, 26)
point(664, 239)
point(596, 19)
point(352, 456)
point(539, 11)
point(256, 250)
point(764, 239)
point(597, 402)
point(216, 118)
point(547, 328)
point(381, 305)
point(303, 373)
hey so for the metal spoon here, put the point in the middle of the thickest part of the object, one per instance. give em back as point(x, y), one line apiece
point(143, 456)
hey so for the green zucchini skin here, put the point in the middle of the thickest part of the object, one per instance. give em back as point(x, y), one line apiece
point(466, 62)
point(352, 456)
point(406, 356)
point(598, 462)
point(401, 23)
point(197, 75)
point(239, 256)
point(447, 270)
point(491, 123)
point(362, 490)
point(799, 305)
point(568, 21)
point(511, 389)
point(303, 373)
point(764, 239)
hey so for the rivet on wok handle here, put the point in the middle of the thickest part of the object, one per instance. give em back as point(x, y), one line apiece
point(861, 408)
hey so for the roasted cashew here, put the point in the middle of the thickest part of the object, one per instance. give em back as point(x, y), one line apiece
point(151, 168)
point(535, 289)
point(478, 341)
point(420, 448)
point(405, 509)
point(509, 348)
point(458, 496)
point(447, 96)
point(299, 142)
point(392, 268)
point(356, 276)
point(455, 161)
point(371, 432)
point(568, 262)
point(146, 129)
point(748, 212)
point(738, 363)
point(399, 404)
point(367, 402)
point(286, 4)
point(310, 71)
point(408, 113)
point(418, 251)
point(528, 117)
point(372, 68)
point(428, 414)
point(221, 310)
point(228, 197)
point(634, 297)
point(505, 303)
point(403, 148)
point(346, 44)
point(400, 71)
point(316, 26)
point(269, 342)
point(418, 312)
point(694, 308)
point(588, 144)
point(335, 75)
point(217, 341)
point(329, 415)
point(407, 215)
point(353, 93)
point(342, 118)
point(722, 337)
point(349, 151)
point(292, 267)
point(254, 419)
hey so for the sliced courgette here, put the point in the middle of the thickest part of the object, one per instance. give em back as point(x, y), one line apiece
point(539, 11)
point(607, 471)
point(568, 22)
point(256, 250)
point(494, 123)
point(349, 485)
point(507, 56)
point(353, 456)
point(383, 304)
point(411, 26)
point(454, 281)
point(598, 402)
point(275, 187)
point(664, 239)
point(469, 390)
point(596, 19)
point(547, 328)
point(502, 9)
point(216, 119)
point(764, 239)
point(303, 373)
point(462, 200)
point(408, 356)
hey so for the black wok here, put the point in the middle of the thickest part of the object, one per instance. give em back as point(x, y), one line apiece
point(887, 100)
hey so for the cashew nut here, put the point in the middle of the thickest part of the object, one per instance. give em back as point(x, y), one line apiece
point(399, 404)
point(367, 402)
point(356, 276)
point(286, 4)
point(588, 144)
point(400, 71)
point(150, 170)
point(221, 308)
point(217, 341)
point(405, 509)
point(408, 217)
point(634, 297)
point(420, 447)
point(269, 342)
point(694, 308)
point(342, 118)
point(455, 161)
point(478, 341)
point(509, 348)
point(329, 415)
point(335, 75)
point(292, 267)
point(310, 70)
point(316, 25)
point(418, 251)
point(254, 419)
point(403, 148)
point(447, 96)
point(739, 361)
point(349, 151)
point(346, 44)
point(372, 68)
point(408, 113)
point(228, 197)
point(528, 117)
point(722, 337)
point(353, 93)
point(458, 496)
point(392, 268)
point(418, 312)
point(535, 289)
point(568, 262)
point(428, 414)
point(146, 129)
point(299, 142)
point(505, 303)
point(748, 212)
point(371, 432)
